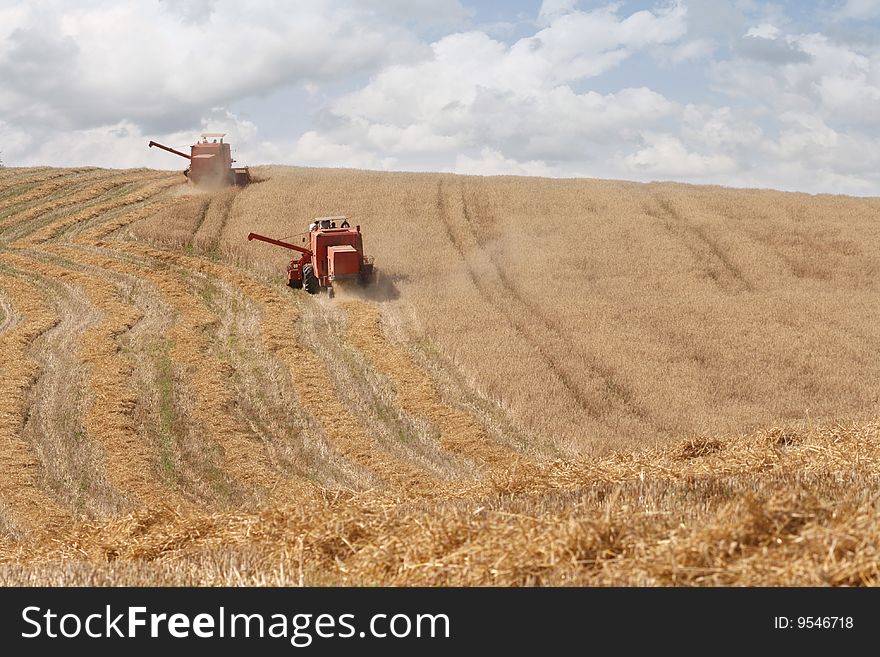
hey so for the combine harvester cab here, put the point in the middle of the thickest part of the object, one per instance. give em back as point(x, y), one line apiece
point(335, 253)
point(210, 162)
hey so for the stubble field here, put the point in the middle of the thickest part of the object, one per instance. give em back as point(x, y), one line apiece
point(552, 382)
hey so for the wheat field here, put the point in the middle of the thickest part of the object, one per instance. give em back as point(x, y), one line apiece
point(552, 382)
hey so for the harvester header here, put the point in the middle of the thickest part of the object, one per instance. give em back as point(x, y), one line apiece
point(210, 161)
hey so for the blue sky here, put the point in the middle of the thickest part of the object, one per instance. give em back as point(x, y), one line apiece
point(732, 92)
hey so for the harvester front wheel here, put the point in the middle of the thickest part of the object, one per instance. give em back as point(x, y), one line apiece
point(310, 281)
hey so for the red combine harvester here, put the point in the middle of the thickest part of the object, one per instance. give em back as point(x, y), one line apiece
point(210, 162)
point(334, 254)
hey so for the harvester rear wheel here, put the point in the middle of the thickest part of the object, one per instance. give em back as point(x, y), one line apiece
point(310, 281)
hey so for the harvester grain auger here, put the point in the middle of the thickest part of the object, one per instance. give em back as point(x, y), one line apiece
point(334, 254)
point(210, 162)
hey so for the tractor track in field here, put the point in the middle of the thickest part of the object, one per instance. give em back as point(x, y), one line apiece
point(206, 236)
point(21, 470)
point(796, 267)
point(620, 392)
point(610, 381)
point(706, 252)
point(203, 212)
point(566, 381)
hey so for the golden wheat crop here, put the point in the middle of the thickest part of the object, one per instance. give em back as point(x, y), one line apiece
point(607, 314)
point(552, 382)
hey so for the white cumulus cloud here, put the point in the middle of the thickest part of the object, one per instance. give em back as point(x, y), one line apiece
point(721, 91)
point(477, 102)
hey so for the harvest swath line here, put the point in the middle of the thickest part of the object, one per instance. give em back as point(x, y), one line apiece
point(139, 346)
point(107, 420)
point(343, 430)
point(130, 463)
point(138, 473)
point(93, 236)
point(55, 228)
point(14, 178)
point(370, 395)
point(244, 458)
point(316, 461)
point(11, 197)
point(102, 402)
point(277, 329)
point(312, 381)
point(460, 432)
point(54, 423)
point(261, 384)
point(20, 491)
point(277, 317)
point(102, 185)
